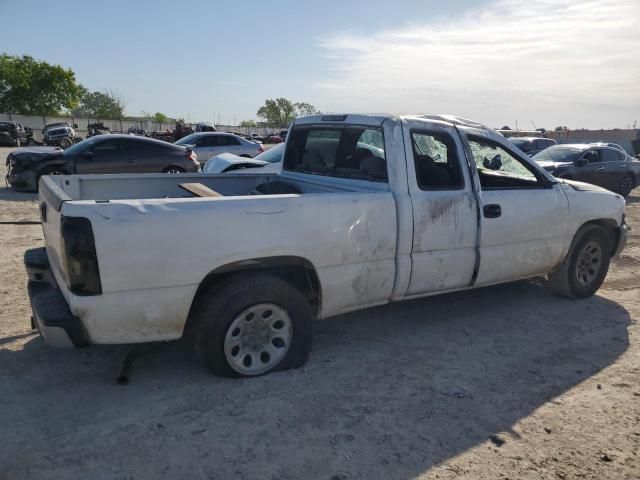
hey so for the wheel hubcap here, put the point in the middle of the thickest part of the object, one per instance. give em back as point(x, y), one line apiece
point(589, 263)
point(258, 339)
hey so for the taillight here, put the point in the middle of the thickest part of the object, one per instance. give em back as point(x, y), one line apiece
point(83, 276)
point(191, 155)
point(260, 148)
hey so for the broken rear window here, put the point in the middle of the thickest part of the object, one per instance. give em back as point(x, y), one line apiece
point(348, 152)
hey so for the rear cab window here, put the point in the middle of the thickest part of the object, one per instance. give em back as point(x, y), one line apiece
point(348, 152)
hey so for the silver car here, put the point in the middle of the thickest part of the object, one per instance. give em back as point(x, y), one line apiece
point(210, 144)
point(270, 160)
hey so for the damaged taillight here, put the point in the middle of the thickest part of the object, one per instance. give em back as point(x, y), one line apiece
point(81, 262)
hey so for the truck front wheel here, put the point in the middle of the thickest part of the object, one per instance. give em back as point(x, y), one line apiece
point(586, 265)
point(253, 325)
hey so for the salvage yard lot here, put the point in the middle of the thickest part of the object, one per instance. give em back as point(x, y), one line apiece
point(429, 388)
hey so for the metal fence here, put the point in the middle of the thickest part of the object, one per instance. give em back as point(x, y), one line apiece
point(37, 123)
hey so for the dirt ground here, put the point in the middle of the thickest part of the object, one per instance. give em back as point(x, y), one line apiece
point(503, 382)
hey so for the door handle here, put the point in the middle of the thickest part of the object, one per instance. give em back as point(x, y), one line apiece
point(600, 168)
point(492, 210)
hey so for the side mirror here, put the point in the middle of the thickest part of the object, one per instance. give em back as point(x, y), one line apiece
point(581, 162)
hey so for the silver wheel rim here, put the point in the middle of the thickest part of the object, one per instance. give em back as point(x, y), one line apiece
point(55, 172)
point(174, 170)
point(589, 263)
point(258, 339)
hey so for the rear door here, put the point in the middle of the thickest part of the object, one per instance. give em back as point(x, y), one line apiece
point(445, 217)
point(613, 167)
point(105, 156)
point(523, 214)
point(137, 157)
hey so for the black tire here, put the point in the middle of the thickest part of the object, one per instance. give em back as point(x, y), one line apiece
point(18, 143)
point(626, 185)
point(576, 277)
point(218, 307)
point(173, 169)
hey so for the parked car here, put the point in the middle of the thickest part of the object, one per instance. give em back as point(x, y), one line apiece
point(99, 154)
point(204, 127)
point(98, 128)
point(59, 134)
point(341, 228)
point(274, 139)
point(209, 144)
point(600, 165)
point(283, 135)
point(532, 145)
point(13, 134)
point(269, 160)
point(255, 137)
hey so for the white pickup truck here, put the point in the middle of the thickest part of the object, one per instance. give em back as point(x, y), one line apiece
point(367, 210)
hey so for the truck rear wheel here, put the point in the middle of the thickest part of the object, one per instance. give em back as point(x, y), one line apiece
point(253, 325)
point(586, 265)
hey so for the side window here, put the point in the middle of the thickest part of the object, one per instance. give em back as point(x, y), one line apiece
point(208, 141)
point(436, 161)
point(107, 148)
point(611, 155)
point(232, 141)
point(498, 168)
point(592, 156)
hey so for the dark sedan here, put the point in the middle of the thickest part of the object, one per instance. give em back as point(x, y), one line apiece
point(600, 165)
point(99, 154)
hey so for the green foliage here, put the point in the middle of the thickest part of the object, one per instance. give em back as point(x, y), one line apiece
point(160, 118)
point(31, 87)
point(281, 111)
point(100, 105)
point(248, 123)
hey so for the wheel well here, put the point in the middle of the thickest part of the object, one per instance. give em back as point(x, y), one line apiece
point(165, 169)
point(244, 155)
point(610, 226)
point(297, 271)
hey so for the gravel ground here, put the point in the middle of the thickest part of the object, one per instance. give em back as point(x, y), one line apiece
point(502, 382)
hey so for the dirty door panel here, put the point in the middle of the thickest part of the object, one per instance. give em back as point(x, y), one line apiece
point(523, 229)
point(444, 210)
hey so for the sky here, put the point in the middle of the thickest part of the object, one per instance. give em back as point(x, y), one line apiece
point(544, 63)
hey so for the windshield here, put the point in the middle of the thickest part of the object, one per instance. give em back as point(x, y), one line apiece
point(188, 140)
point(79, 147)
point(273, 155)
point(558, 154)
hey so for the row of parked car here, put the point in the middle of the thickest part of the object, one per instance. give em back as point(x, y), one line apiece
point(118, 153)
point(604, 164)
point(607, 165)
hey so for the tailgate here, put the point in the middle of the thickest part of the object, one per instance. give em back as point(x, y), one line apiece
point(51, 198)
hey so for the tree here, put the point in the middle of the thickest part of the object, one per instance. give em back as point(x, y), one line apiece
point(281, 111)
point(560, 129)
point(101, 105)
point(248, 123)
point(160, 118)
point(31, 87)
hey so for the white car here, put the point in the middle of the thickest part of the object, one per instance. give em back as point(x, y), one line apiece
point(269, 160)
point(209, 144)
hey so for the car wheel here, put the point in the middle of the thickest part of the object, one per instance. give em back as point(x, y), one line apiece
point(65, 143)
point(173, 169)
point(586, 265)
point(18, 142)
point(50, 171)
point(255, 324)
point(626, 185)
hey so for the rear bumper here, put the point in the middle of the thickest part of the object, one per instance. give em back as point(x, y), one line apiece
point(51, 315)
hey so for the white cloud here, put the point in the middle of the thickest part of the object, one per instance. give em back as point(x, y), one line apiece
point(554, 61)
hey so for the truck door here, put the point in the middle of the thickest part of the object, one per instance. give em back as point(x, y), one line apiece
point(523, 213)
point(445, 216)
